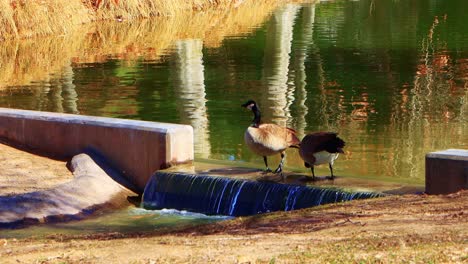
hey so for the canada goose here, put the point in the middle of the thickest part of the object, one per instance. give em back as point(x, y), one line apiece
point(268, 139)
point(320, 148)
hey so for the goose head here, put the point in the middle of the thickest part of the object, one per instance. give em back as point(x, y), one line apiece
point(252, 105)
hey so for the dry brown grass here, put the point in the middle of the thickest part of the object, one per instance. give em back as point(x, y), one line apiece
point(22, 19)
point(27, 60)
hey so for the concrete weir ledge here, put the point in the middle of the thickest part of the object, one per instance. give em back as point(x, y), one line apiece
point(133, 151)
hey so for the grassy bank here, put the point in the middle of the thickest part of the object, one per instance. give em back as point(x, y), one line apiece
point(21, 19)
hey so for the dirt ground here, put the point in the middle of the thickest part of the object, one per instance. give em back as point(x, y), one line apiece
point(22, 172)
point(394, 229)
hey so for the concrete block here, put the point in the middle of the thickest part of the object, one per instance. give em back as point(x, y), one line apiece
point(446, 171)
point(136, 148)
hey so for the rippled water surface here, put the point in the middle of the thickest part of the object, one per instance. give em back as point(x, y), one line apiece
point(389, 76)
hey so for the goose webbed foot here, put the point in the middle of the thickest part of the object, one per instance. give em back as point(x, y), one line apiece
point(279, 170)
point(309, 179)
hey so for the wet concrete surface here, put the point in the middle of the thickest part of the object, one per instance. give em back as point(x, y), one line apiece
point(241, 170)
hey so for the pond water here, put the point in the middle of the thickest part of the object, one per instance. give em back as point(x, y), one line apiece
point(389, 76)
point(128, 220)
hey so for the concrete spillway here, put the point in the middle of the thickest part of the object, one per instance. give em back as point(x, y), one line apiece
point(235, 197)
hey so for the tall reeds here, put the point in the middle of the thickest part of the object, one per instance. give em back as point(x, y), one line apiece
point(32, 60)
point(21, 19)
point(26, 18)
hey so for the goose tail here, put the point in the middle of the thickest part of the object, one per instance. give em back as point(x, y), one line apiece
point(292, 138)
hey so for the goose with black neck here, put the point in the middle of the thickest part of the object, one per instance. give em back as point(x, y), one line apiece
point(266, 139)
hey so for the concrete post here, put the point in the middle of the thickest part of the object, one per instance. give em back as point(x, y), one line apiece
point(446, 171)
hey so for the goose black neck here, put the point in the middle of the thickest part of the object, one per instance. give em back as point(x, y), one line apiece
point(257, 116)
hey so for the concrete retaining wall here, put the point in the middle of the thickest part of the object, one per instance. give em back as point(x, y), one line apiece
point(136, 148)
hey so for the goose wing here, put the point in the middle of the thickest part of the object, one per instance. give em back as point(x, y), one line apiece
point(278, 133)
point(322, 141)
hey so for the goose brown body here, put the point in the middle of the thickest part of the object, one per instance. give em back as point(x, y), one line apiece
point(320, 148)
point(268, 139)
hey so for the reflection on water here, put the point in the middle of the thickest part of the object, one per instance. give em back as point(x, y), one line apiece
point(298, 68)
point(65, 96)
point(390, 76)
point(279, 94)
point(190, 80)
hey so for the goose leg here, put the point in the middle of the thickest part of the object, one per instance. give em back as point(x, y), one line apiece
point(266, 164)
point(307, 165)
point(280, 166)
point(331, 171)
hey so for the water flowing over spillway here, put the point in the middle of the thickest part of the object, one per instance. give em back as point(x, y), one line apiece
point(235, 197)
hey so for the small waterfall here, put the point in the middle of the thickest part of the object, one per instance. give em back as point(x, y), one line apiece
point(234, 197)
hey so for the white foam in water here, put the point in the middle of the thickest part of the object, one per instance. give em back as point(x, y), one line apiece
point(180, 213)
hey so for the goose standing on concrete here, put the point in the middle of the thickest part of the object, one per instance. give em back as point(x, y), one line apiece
point(320, 148)
point(268, 139)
